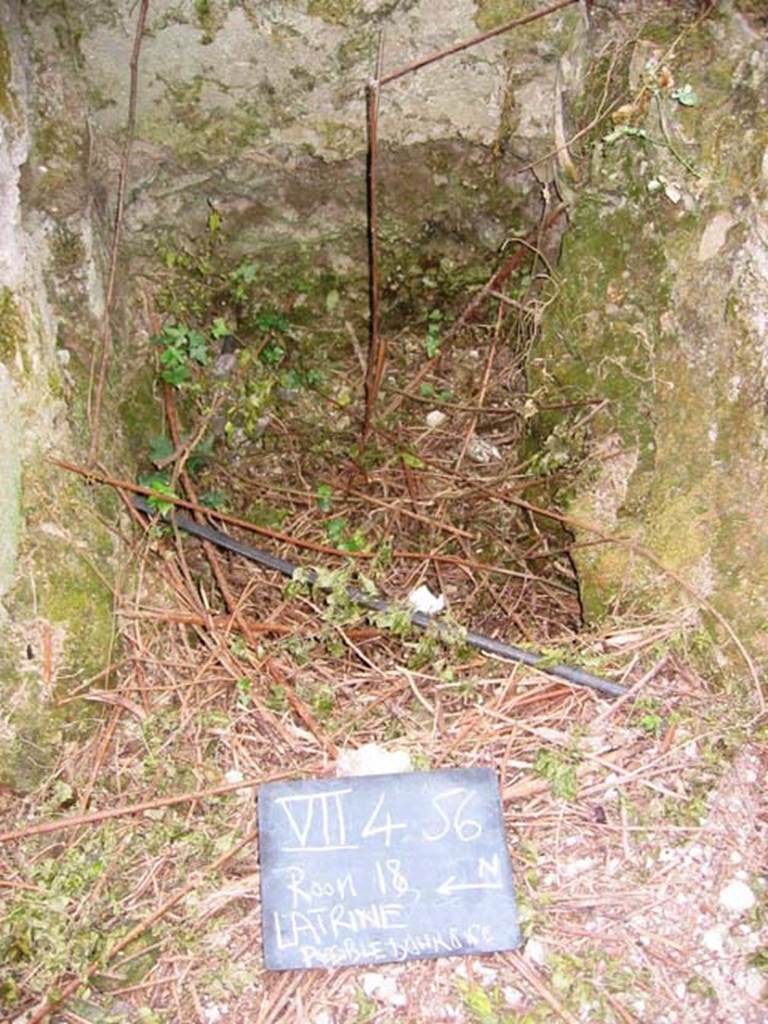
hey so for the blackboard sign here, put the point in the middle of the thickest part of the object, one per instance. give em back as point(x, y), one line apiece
point(384, 868)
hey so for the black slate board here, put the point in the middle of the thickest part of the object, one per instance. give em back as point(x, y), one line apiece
point(384, 868)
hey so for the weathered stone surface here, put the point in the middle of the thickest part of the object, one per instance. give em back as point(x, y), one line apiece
point(260, 109)
point(663, 311)
point(55, 613)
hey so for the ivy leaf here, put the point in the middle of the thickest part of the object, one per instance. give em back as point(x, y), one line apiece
point(686, 96)
point(175, 375)
point(335, 530)
point(160, 487)
point(197, 347)
point(246, 273)
point(220, 328)
point(160, 448)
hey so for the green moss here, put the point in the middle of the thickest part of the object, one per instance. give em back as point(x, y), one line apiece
point(67, 250)
point(56, 142)
point(492, 13)
point(73, 595)
point(205, 20)
point(6, 99)
point(199, 127)
point(140, 411)
point(335, 12)
point(593, 351)
point(13, 334)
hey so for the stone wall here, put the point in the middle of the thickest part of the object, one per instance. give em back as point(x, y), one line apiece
point(55, 623)
point(663, 311)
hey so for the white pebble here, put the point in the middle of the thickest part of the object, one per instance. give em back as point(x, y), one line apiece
point(233, 776)
point(486, 974)
point(370, 983)
point(712, 939)
point(371, 759)
point(436, 419)
point(383, 988)
point(482, 451)
point(512, 996)
point(536, 951)
point(755, 984)
point(737, 897)
point(577, 867)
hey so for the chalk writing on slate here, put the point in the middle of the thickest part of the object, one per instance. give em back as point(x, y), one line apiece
point(384, 868)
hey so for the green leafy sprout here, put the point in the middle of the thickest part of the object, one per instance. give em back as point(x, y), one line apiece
point(180, 346)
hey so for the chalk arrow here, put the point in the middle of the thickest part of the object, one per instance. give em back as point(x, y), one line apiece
point(450, 886)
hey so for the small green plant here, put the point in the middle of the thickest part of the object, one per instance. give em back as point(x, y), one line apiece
point(434, 333)
point(366, 1008)
point(558, 767)
point(478, 1003)
point(698, 985)
point(323, 703)
point(338, 532)
point(648, 717)
point(427, 390)
point(180, 346)
point(160, 486)
point(396, 620)
point(324, 497)
point(331, 588)
point(685, 95)
point(276, 700)
point(240, 280)
point(244, 689)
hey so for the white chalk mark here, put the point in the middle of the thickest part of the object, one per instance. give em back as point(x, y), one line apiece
point(489, 868)
point(302, 829)
point(450, 886)
point(316, 849)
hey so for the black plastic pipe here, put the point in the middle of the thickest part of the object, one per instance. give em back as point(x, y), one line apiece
point(482, 643)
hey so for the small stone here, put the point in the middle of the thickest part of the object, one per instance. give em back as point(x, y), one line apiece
point(577, 867)
point(513, 997)
point(715, 236)
point(755, 984)
point(737, 897)
point(370, 983)
point(481, 451)
point(224, 364)
point(233, 776)
point(436, 419)
point(486, 974)
point(536, 951)
point(713, 940)
point(383, 988)
point(371, 759)
point(673, 192)
point(323, 1017)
